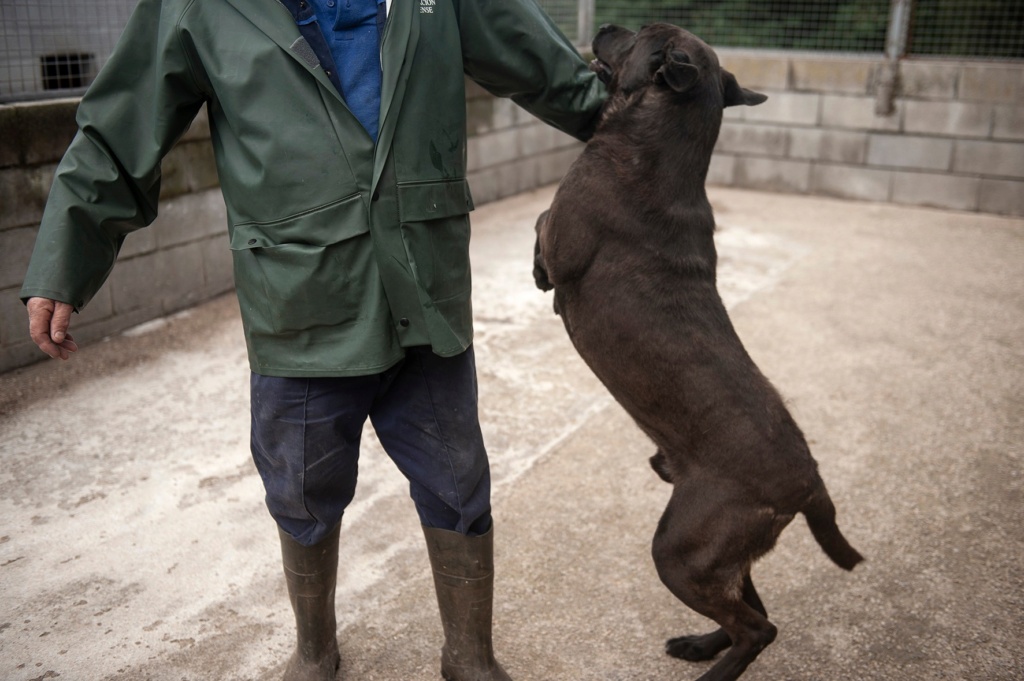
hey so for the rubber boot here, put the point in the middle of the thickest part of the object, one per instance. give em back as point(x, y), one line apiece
point(464, 579)
point(312, 573)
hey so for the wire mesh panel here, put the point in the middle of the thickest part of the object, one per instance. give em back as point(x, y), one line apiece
point(953, 28)
point(55, 47)
point(832, 25)
point(975, 28)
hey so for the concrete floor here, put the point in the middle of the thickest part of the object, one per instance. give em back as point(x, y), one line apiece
point(134, 542)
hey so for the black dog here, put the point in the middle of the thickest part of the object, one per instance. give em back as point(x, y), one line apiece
point(628, 246)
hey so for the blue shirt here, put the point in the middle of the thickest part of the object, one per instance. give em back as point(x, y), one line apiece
point(345, 35)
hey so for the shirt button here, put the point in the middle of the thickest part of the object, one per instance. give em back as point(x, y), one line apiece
point(330, 3)
point(403, 321)
point(328, 72)
point(252, 242)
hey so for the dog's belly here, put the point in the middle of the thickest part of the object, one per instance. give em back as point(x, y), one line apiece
point(685, 378)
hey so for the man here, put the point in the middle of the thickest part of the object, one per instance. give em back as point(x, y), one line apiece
point(339, 136)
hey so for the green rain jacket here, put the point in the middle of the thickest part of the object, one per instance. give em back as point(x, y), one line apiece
point(344, 251)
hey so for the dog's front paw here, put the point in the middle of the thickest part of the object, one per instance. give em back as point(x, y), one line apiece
point(540, 277)
point(698, 648)
point(660, 465)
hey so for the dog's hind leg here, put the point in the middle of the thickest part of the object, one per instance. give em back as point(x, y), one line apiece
point(698, 648)
point(703, 550)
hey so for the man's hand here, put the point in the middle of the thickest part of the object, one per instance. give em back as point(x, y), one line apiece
point(48, 325)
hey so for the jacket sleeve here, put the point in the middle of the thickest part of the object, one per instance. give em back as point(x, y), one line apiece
point(108, 183)
point(513, 49)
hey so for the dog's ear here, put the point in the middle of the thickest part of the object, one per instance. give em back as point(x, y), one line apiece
point(677, 72)
point(736, 95)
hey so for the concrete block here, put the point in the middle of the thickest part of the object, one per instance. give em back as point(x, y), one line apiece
point(787, 107)
point(938, 191)
point(167, 280)
point(818, 73)
point(199, 129)
point(138, 242)
point(1005, 197)
point(493, 148)
point(47, 129)
point(218, 275)
point(10, 137)
point(15, 251)
point(504, 113)
point(992, 159)
point(174, 173)
point(528, 173)
point(837, 146)
point(1008, 122)
point(201, 170)
point(857, 113)
point(851, 182)
point(763, 140)
point(992, 83)
point(13, 319)
point(190, 217)
point(773, 174)
point(536, 138)
point(480, 115)
point(483, 184)
point(926, 80)
point(521, 116)
point(474, 91)
point(20, 355)
point(758, 70)
point(722, 170)
point(23, 193)
point(925, 153)
point(955, 119)
point(100, 308)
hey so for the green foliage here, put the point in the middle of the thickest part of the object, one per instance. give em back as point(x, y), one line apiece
point(983, 28)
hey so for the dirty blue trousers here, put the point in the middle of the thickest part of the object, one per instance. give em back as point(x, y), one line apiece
point(306, 434)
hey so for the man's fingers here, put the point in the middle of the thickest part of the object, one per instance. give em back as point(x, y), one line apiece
point(60, 321)
point(45, 318)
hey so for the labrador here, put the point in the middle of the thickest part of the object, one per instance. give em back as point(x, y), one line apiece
point(628, 247)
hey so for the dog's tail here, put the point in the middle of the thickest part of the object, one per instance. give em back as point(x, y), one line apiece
point(821, 518)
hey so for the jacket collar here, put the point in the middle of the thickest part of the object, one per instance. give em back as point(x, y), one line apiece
point(399, 44)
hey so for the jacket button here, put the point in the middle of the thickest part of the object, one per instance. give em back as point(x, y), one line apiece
point(403, 321)
point(252, 242)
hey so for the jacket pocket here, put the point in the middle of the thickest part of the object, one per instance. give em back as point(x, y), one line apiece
point(308, 270)
point(435, 226)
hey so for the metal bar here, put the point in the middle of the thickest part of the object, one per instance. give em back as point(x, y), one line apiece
point(895, 50)
point(584, 22)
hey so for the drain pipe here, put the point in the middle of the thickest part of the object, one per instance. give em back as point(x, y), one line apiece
point(895, 49)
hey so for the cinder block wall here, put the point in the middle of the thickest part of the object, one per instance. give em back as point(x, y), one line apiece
point(183, 258)
point(955, 139)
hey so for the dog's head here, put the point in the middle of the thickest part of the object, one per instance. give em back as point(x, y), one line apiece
point(665, 57)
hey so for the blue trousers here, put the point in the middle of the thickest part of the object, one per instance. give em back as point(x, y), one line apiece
point(306, 433)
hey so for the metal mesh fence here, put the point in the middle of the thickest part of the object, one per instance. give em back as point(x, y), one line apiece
point(55, 47)
point(947, 28)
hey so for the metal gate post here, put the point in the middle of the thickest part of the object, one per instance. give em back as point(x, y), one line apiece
point(895, 49)
point(584, 22)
